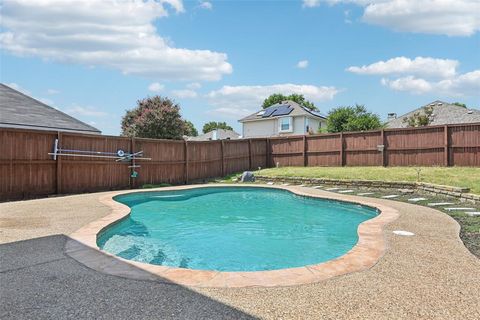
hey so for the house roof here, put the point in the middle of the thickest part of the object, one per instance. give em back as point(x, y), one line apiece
point(18, 110)
point(222, 134)
point(443, 113)
point(288, 107)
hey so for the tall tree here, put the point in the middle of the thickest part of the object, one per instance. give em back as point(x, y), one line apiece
point(351, 118)
point(420, 118)
point(460, 104)
point(212, 125)
point(154, 117)
point(298, 98)
point(190, 129)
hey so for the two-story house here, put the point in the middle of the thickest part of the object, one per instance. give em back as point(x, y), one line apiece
point(286, 118)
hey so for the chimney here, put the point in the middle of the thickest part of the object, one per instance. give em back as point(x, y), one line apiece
point(391, 116)
point(214, 134)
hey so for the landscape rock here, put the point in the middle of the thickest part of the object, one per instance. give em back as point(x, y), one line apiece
point(247, 176)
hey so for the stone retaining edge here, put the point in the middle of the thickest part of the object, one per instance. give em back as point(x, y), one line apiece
point(457, 192)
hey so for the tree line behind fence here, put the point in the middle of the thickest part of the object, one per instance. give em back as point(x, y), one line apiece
point(27, 170)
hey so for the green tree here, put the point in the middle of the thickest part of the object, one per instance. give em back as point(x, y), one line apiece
point(351, 118)
point(298, 98)
point(154, 117)
point(420, 118)
point(190, 129)
point(212, 125)
point(460, 104)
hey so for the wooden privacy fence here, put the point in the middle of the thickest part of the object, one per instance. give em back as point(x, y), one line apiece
point(27, 170)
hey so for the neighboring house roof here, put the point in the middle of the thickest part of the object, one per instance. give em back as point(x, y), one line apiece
point(217, 134)
point(443, 113)
point(282, 109)
point(18, 110)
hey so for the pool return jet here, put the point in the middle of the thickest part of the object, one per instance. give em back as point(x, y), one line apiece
point(118, 156)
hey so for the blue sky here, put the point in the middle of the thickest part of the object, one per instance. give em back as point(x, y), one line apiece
point(219, 59)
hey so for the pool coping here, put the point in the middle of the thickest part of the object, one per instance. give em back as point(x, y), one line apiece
point(371, 245)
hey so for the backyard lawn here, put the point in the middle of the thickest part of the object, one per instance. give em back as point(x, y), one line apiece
point(452, 176)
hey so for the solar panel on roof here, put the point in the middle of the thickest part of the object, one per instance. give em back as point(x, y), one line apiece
point(282, 110)
point(316, 113)
point(269, 111)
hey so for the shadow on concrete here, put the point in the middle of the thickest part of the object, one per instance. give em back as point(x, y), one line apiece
point(39, 281)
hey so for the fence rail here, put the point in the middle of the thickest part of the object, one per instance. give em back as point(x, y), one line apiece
point(26, 169)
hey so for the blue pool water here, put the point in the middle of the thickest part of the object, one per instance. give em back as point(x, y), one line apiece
point(233, 229)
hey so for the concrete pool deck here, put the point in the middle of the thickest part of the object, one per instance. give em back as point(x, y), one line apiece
point(428, 275)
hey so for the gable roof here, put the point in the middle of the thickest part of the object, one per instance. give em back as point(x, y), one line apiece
point(443, 113)
point(18, 110)
point(288, 107)
point(222, 134)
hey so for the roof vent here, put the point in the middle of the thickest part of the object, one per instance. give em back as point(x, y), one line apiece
point(432, 104)
point(469, 111)
point(439, 104)
point(392, 116)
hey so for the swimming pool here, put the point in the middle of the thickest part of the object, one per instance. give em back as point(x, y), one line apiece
point(233, 229)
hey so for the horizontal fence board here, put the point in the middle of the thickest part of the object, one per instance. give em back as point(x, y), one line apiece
point(27, 170)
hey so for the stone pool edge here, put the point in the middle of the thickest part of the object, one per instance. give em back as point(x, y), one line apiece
point(371, 245)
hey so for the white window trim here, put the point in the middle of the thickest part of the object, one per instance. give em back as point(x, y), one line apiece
point(290, 124)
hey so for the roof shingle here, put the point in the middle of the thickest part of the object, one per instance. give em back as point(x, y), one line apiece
point(443, 113)
point(18, 110)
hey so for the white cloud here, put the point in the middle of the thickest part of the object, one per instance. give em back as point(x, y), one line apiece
point(156, 87)
point(185, 93)
point(346, 15)
point(462, 85)
point(420, 66)
point(446, 17)
point(423, 75)
point(206, 5)
point(194, 86)
point(115, 34)
point(85, 111)
point(310, 3)
point(53, 91)
point(449, 17)
point(410, 84)
point(241, 100)
point(302, 64)
point(465, 84)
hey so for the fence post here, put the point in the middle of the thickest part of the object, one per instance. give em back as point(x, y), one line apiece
point(249, 154)
point(59, 165)
point(267, 161)
point(186, 161)
point(384, 158)
point(342, 156)
point(446, 148)
point(304, 150)
point(132, 150)
point(222, 148)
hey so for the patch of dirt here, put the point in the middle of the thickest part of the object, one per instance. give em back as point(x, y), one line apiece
point(471, 241)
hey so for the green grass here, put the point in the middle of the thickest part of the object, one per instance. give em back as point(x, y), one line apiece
point(150, 186)
point(452, 176)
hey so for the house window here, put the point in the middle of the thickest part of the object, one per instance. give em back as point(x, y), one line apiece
point(307, 125)
point(286, 124)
